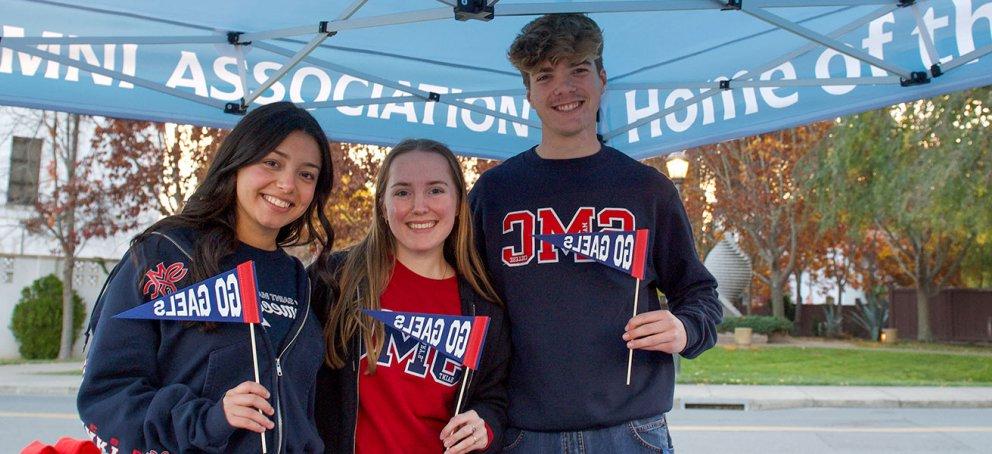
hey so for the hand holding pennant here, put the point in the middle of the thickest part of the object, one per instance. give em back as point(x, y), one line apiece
point(229, 297)
point(460, 338)
point(621, 250)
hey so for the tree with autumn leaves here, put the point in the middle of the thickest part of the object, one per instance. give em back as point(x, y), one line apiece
point(759, 194)
point(917, 177)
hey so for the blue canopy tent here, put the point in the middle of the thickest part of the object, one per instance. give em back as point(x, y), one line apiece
point(681, 73)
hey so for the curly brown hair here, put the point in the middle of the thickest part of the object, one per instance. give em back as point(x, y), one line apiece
point(556, 37)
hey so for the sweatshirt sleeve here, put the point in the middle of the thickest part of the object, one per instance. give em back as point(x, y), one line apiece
point(122, 401)
point(688, 285)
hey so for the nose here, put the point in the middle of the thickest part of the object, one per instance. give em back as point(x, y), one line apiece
point(419, 204)
point(286, 181)
point(565, 86)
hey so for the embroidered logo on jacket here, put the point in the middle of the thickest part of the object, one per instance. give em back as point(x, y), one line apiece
point(162, 280)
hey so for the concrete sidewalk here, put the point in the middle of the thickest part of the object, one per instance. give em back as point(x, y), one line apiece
point(63, 379)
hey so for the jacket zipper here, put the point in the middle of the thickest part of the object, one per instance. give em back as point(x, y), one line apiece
point(306, 314)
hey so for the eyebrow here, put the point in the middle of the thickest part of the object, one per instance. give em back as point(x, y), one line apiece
point(548, 69)
point(429, 183)
point(286, 156)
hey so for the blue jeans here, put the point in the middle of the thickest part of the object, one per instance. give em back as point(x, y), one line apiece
point(639, 435)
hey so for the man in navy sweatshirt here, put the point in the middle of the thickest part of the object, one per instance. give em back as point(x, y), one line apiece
point(570, 318)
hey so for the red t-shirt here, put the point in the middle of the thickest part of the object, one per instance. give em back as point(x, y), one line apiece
point(411, 396)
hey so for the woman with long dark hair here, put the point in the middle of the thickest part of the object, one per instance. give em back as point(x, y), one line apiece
point(419, 256)
point(169, 386)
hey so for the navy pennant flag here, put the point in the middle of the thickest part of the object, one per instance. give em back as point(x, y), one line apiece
point(230, 297)
point(621, 250)
point(460, 338)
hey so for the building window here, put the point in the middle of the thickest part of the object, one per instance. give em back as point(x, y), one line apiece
point(7, 269)
point(25, 164)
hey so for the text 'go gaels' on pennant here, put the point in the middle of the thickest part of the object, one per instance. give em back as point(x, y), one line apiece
point(231, 297)
point(622, 250)
point(460, 338)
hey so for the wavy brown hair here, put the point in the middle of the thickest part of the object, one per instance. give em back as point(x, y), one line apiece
point(368, 265)
point(572, 38)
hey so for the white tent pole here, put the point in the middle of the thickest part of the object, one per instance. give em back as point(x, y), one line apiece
point(851, 26)
point(966, 58)
point(351, 9)
point(536, 9)
point(442, 98)
point(485, 93)
point(351, 24)
point(824, 40)
point(114, 75)
point(293, 61)
point(242, 75)
point(360, 102)
point(884, 80)
point(925, 35)
point(806, 3)
point(55, 40)
point(749, 73)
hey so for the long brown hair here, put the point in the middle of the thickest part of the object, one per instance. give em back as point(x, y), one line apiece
point(212, 208)
point(369, 264)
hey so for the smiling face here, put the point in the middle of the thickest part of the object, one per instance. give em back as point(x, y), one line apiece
point(277, 190)
point(420, 203)
point(566, 96)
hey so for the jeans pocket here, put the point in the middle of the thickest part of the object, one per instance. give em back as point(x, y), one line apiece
point(652, 433)
point(512, 438)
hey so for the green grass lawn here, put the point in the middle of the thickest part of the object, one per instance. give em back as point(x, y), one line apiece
point(834, 366)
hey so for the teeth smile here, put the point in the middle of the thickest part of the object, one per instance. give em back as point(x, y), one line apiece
point(277, 202)
point(421, 225)
point(567, 107)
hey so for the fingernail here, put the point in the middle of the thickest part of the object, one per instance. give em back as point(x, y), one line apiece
point(626, 337)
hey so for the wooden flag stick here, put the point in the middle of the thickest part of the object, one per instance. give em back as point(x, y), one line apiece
point(630, 353)
point(254, 360)
point(461, 394)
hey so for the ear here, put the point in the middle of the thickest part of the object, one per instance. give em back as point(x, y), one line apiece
point(602, 78)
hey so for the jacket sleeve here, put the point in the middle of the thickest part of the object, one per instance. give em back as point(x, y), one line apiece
point(122, 401)
point(688, 285)
point(488, 397)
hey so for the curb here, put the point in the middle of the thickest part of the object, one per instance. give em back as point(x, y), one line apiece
point(26, 390)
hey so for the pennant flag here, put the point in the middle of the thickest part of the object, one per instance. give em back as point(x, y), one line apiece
point(460, 338)
point(622, 250)
point(231, 297)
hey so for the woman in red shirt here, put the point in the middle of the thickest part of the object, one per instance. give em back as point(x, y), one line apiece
point(382, 391)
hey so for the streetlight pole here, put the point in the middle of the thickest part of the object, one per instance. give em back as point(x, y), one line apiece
point(678, 168)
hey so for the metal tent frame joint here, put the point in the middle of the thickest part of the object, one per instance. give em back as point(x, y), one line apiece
point(935, 70)
point(236, 108)
point(905, 3)
point(733, 5)
point(725, 85)
point(234, 39)
point(918, 78)
point(322, 28)
point(433, 97)
point(474, 10)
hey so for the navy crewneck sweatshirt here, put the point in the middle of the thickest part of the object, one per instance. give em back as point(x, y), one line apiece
point(567, 314)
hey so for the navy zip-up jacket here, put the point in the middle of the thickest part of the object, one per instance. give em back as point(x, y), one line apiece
point(157, 386)
point(337, 389)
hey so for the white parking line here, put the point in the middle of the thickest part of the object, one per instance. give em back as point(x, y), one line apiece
point(16, 414)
